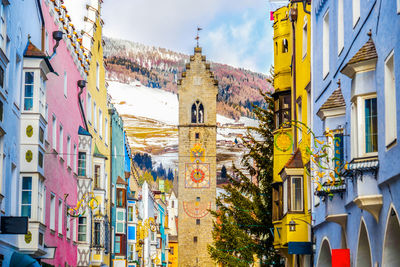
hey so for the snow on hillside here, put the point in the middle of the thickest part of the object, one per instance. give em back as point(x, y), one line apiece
point(141, 101)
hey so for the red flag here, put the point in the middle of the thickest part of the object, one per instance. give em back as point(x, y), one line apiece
point(271, 16)
point(340, 257)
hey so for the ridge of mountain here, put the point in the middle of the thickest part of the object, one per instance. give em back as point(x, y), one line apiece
point(156, 67)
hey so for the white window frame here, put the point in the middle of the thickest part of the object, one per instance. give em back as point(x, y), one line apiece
point(120, 221)
point(89, 107)
point(61, 140)
point(85, 232)
point(60, 216)
point(292, 198)
point(106, 131)
point(100, 123)
point(46, 41)
point(69, 151)
point(390, 101)
point(95, 115)
point(42, 96)
point(68, 233)
point(52, 212)
point(340, 24)
point(74, 230)
point(305, 39)
point(33, 90)
point(356, 12)
point(285, 196)
point(97, 76)
point(325, 45)
point(75, 158)
point(3, 26)
point(54, 132)
point(28, 190)
point(65, 83)
point(358, 127)
point(40, 200)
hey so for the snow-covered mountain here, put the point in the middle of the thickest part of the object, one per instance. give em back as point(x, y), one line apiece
point(160, 68)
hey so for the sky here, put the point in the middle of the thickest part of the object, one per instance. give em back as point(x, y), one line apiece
point(235, 32)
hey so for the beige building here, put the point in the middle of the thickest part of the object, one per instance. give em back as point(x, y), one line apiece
point(197, 161)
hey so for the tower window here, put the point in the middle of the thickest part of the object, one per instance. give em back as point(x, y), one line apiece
point(197, 135)
point(198, 221)
point(285, 46)
point(195, 239)
point(197, 112)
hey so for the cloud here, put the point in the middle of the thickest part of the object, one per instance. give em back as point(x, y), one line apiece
point(232, 31)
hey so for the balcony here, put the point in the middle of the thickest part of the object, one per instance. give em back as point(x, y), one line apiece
point(33, 242)
point(363, 173)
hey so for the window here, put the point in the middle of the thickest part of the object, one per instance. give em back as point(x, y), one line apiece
point(95, 115)
point(65, 83)
point(42, 96)
point(28, 96)
point(195, 239)
point(82, 164)
point(197, 135)
point(89, 107)
point(338, 151)
point(120, 222)
point(54, 133)
point(69, 151)
point(97, 176)
point(106, 131)
point(197, 112)
point(96, 238)
point(283, 110)
point(41, 135)
point(46, 130)
point(97, 76)
point(356, 12)
point(61, 148)
point(305, 39)
point(371, 126)
point(2, 78)
point(297, 194)
point(46, 42)
point(300, 119)
point(390, 102)
point(172, 204)
point(117, 246)
point(198, 221)
point(325, 45)
point(74, 230)
point(60, 216)
point(18, 78)
point(276, 48)
point(285, 197)
point(198, 199)
point(130, 214)
point(75, 152)
point(68, 225)
point(100, 123)
point(3, 26)
point(40, 201)
point(120, 197)
point(40, 159)
point(285, 46)
point(340, 24)
point(26, 204)
point(52, 212)
point(131, 252)
point(398, 6)
point(82, 229)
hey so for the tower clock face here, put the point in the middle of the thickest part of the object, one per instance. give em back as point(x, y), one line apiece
point(197, 175)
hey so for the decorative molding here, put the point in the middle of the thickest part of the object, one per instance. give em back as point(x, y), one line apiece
point(372, 204)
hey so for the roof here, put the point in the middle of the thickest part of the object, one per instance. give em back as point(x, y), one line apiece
point(121, 181)
point(366, 52)
point(97, 153)
point(295, 161)
point(127, 174)
point(335, 100)
point(82, 131)
point(32, 51)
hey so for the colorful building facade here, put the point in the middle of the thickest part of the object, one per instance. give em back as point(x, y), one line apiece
point(292, 184)
point(355, 86)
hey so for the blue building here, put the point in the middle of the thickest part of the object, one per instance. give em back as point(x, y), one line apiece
point(21, 35)
point(355, 87)
point(118, 185)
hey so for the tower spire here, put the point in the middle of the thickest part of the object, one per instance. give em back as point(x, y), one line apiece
point(198, 37)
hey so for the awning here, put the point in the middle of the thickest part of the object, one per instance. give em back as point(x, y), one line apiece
point(23, 260)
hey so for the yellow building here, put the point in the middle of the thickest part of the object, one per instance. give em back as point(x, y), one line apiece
point(173, 251)
point(291, 197)
point(98, 122)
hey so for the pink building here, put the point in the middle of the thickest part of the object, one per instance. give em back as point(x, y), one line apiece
point(64, 118)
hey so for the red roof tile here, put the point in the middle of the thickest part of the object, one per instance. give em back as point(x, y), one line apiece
point(121, 181)
point(335, 100)
point(295, 161)
point(33, 51)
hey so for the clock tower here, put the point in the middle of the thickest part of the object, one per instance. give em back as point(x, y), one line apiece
point(197, 161)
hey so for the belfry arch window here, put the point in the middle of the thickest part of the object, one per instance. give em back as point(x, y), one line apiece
point(197, 112)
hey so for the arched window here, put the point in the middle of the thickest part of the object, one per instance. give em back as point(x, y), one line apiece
point(285, 46)
point(197, 112)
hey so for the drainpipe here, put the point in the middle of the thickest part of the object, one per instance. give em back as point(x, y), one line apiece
point(81, 84)
point(293, 19)
point(57, 35)
point(111, 179)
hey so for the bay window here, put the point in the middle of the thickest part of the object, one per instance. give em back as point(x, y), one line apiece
point(120, 222)
point(82, 224)
point(283, 110)
point(120, 197)
point(364, 126)
point(26, 205)
point(29, 86)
